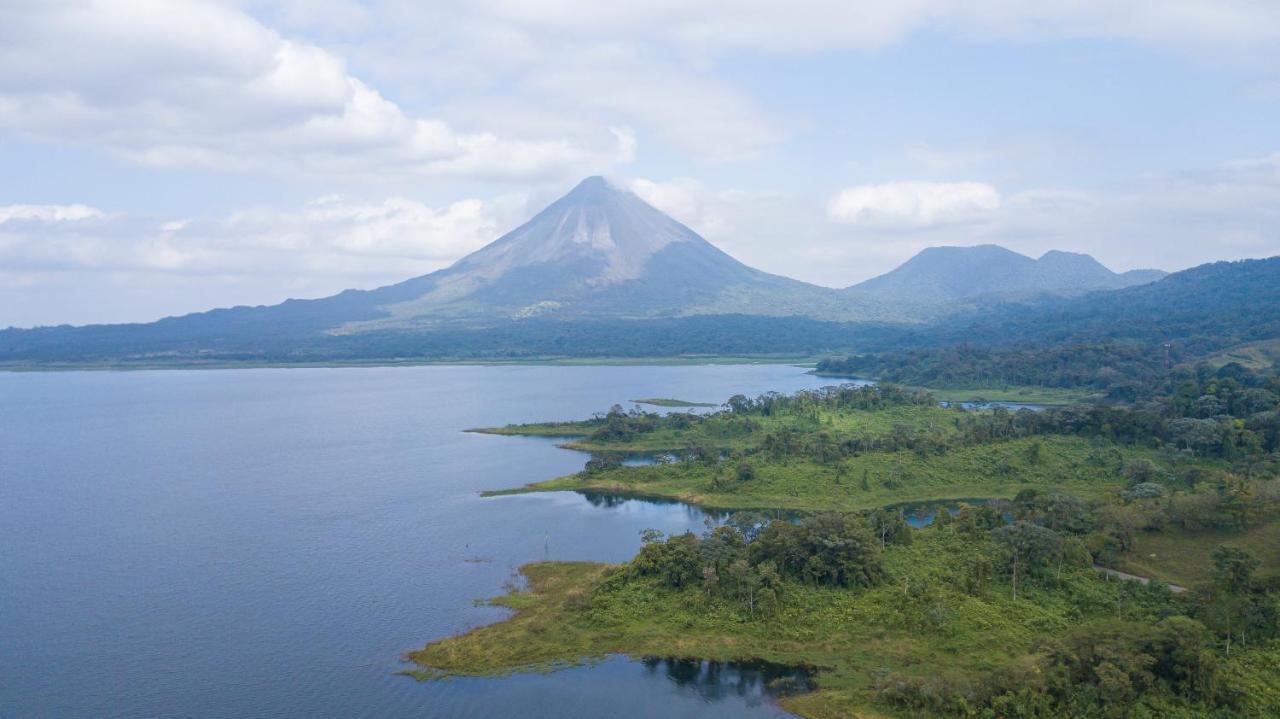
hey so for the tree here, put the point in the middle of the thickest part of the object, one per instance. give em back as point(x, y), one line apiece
point(1033, 453)
point(1197, 435)
point(826, 549)
point(1233, 568)
point(890, 526)
point(1028, 547)
point(601, 463)
point(1227, 602)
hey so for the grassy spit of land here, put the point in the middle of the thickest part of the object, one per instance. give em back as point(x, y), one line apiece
point(874, 479)
point(729, 430)
point(668, 402)
point(798, 457)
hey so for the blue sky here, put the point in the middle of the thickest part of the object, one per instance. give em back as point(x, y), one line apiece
point(166, 157)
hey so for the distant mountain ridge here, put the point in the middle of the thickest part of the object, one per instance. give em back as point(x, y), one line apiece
point(948, 274)
point(594, 263)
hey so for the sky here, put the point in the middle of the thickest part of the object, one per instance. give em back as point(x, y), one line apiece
point(160, 157)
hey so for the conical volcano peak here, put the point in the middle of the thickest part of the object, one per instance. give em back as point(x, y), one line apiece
point(595, 190)
point(592, 185)
point(609, 233)
point(597, 251)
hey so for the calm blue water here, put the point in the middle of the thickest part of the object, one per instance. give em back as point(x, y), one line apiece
point(267, 543)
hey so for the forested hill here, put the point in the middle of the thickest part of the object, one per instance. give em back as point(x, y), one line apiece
point(1201, 310)
point(1122, 343)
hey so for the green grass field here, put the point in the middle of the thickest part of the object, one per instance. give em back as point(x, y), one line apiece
point(1000, 469)
point(1184, 557)
point(1045, 396)
point(727, 431)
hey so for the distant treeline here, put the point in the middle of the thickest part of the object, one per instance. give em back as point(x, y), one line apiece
point(1111, 367)
point(236, 336)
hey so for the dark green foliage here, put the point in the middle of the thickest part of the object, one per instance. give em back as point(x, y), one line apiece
point(825, 549)
point(1115, 662)
point(748, 557)
point(1029, 548)
point(602, 463)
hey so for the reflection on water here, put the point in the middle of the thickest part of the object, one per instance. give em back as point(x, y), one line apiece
point(922, 514)
point(1011, 406)
point(657, 688)
point(606, 500)
point(753, 681)
point(917, 514)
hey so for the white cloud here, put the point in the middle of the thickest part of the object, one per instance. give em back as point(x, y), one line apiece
point(914, 205)
point(186, 83)
point(815, 24)
point(256, 256)
point(1171, 221)
point(49, 213)
point(686, 109)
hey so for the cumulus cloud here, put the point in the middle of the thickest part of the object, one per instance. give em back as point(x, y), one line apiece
point(1170, 220)
point(49, 213)
point(914, 205)
point(187, 83)
point(395, 237)
point(258, 255)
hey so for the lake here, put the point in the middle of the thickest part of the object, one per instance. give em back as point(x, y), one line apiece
point(268, 543)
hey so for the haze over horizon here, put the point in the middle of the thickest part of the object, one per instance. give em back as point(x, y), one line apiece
point(189, 155)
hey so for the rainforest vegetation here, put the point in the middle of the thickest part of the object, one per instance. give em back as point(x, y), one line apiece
point(998, 608)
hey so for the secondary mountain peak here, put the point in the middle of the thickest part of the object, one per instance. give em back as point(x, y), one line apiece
point(949, 274)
